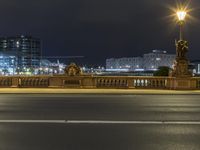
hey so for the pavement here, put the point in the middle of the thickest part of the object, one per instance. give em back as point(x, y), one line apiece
point(96, 91)
point(99, 122)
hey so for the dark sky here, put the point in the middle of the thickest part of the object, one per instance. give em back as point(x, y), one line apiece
point(98, 29)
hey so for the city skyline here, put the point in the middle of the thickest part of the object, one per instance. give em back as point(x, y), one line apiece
point(98, 28)
point(146, 97)
point(149, 61)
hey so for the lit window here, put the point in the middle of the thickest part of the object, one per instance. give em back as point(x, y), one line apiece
point(158, 59)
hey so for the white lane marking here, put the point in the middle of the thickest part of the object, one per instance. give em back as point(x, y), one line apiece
point(133, 122)
point(33, 121)
point(102, 122)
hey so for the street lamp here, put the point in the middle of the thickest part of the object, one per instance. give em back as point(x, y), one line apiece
point(181, 62)
point(181, 19)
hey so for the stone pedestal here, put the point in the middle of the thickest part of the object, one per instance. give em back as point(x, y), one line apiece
point(181, 63)
point(181, 83)
point(181, 68)
point(15, 82)
point(181, 77)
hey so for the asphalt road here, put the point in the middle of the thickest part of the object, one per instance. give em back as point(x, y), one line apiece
point(99, 122)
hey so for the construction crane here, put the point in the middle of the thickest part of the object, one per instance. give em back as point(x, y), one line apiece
point(61, 57)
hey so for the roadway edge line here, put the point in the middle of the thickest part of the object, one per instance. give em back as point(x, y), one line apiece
point(103, 122)
point(133, 122)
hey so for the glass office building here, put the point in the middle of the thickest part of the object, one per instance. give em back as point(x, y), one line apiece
point(7, 63)
point(26, 49)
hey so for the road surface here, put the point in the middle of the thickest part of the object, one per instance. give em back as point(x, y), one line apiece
point(99, 122)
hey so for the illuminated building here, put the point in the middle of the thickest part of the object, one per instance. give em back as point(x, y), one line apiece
point(150, 61)
point(7, 63)
point(26, 49)
point(157, 58)
point(126, 64)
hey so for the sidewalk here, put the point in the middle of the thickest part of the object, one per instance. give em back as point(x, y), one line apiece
point(94, 91)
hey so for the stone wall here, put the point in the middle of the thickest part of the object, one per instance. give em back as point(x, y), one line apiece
point(90, 81)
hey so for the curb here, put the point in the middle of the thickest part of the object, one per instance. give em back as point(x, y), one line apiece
point(98, 91)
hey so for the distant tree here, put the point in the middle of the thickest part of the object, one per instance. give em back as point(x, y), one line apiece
point(32, 70)
point(18, 70)
point(162, 71)
point(5, 71)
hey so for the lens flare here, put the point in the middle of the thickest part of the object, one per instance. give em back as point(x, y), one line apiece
point(181, 15)
point(180, 11)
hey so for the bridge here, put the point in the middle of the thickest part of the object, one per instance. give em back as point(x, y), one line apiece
point(179, 78)
point(90, 81)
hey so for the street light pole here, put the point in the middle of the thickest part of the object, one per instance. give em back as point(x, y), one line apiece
point(181, 63)
point(181, 30)
point(181, 19)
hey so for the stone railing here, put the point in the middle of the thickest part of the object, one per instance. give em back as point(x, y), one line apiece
point(131, 82)
point(33, 82)
point(5, 81)
point(197, 83)
point(90, 81)
point(110, 82)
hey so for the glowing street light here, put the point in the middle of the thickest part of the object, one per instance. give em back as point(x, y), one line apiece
point(181, 15)
point(180, 67)
point(181, 18)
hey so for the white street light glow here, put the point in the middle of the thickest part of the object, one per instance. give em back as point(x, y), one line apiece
point(181, 15)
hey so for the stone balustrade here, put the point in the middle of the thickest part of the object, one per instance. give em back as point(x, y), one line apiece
point(5, 82)
point(33, 82)
point(90, 81)
point(110, 82)
point(197, 83)
point(131, 82)
point(150, 82)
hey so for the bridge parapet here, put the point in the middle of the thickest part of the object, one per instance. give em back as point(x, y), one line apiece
point(90, 81)
point(131, 82)
point(5, 81)
point(33, 82)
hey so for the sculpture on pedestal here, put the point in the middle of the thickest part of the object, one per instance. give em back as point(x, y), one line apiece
point(73, 70)
point(181, 63)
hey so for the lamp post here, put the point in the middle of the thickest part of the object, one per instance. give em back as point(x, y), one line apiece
point(180, 72)
point(181, 20)
point(181, 63)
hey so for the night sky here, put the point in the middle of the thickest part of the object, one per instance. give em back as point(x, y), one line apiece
point(99, 29)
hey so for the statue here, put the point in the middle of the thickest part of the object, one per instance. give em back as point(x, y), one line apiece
point(73, 70)
point(181, 48)
point(181, 63)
